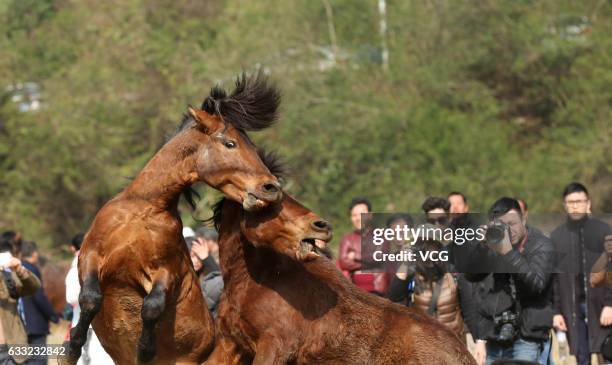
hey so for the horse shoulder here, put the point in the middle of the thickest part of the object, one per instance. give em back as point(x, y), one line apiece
point(131, 220)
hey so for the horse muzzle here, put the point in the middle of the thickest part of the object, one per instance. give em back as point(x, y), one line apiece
point(268, 193)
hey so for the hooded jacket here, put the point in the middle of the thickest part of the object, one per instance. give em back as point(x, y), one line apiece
point(13, 328)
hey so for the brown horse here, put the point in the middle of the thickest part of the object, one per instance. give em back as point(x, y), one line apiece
point(139, 289)
point(54, 282)
point(299, 309)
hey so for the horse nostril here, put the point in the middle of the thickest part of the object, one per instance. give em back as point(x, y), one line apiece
point(271, 188)
point(321, 224)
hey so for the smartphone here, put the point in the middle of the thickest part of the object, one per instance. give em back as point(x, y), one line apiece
point(5, 257)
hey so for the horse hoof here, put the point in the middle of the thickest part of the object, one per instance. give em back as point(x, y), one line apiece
point(67, 360)
point(70, 356)
point(146, 355)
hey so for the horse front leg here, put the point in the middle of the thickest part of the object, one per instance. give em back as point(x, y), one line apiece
point(270, 351)
point(152, 308)
point(225, 353)
point(90, 300)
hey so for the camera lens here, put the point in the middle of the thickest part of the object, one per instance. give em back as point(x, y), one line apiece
point(506, 333)
point(495, 233)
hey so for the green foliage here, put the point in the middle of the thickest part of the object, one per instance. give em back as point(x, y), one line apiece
point(489, 98)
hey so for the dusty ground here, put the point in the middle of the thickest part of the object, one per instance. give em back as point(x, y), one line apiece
point(58, 333)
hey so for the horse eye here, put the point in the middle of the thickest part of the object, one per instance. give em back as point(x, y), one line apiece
point(230, 144)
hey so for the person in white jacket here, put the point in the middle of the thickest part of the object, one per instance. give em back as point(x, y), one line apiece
point(93, 353)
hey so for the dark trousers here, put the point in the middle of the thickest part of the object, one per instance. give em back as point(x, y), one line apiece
point(583, 355)
point(5, 359)
point(37, 340)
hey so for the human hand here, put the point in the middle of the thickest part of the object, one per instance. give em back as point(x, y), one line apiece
point(13, 263)
point(480, 352)
point(608, 245)
point(606, 316)
point(559, 323)
point(200, 248)
point(402, 272)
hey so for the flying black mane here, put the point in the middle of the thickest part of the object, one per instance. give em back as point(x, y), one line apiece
point(251, 106)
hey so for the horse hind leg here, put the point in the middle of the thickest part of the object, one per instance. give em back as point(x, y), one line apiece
point(270, 351)
point(152, 308)
point(226, 352)
point(90, 300)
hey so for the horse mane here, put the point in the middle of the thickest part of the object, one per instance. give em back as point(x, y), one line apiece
point(272, 161)
point(191, 195)
point(252, 106)
point(217, 209)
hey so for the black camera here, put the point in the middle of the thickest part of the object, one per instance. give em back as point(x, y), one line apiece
point(506, 326)
point(495, 232)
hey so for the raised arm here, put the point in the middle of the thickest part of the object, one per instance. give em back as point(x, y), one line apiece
point(29, 282)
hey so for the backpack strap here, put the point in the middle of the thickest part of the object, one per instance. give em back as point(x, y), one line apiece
point(435, 294)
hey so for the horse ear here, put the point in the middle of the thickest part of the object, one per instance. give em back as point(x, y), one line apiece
point(209, 122)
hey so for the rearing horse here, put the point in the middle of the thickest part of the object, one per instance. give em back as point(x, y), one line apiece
point(138, 288)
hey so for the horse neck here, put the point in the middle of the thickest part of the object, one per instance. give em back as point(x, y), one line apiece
point(232, 257)
point(237, 264)
point(242, 262)
point(325, 271)
point(167, 174)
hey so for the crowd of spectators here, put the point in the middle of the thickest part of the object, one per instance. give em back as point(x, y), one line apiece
point(510, 296)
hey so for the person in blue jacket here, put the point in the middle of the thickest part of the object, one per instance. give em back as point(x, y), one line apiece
point(38, 311)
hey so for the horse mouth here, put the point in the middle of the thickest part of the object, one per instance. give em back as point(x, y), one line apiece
point(308, 249)
point(253, 203)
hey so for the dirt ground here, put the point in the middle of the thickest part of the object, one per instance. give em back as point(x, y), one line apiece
point(58, 333)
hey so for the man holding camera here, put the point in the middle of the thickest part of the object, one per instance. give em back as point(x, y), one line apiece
point(513, 299)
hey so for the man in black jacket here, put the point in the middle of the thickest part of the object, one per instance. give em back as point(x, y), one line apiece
point(513, 296)
point(584, 312)
point(38, 311)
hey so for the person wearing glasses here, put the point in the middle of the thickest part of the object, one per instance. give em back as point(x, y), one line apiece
point(585, 313)
point(437, 211)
